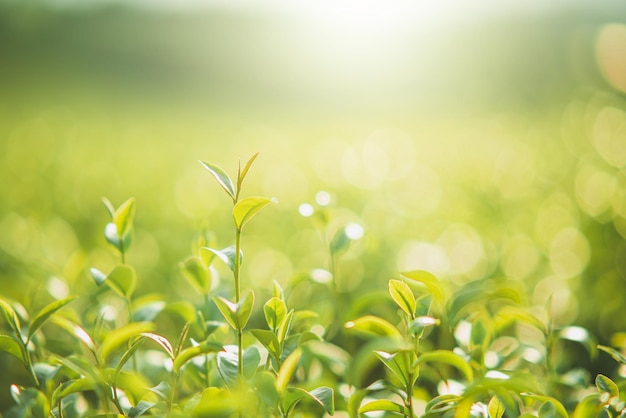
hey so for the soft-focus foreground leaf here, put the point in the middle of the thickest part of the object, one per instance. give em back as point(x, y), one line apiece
point(227, 364)
point(45, 314)
point(617, 356)
point(222, 178)
point(556, 408)
point(287, 369)
point(82, 384)
point(119, 336)
point(401, 364)
point(215, 403)
point(188, 353)
point(427, 279)
point(122, 280)
point(495, 408)
point(245, 209)
point(10, 316)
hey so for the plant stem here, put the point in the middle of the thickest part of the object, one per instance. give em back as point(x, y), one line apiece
point(237, 264)
point(29, 364)
point(173, 391)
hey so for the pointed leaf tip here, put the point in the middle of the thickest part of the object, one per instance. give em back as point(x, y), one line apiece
point(222, 178)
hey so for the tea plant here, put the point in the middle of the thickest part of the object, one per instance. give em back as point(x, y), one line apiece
point(449, 351)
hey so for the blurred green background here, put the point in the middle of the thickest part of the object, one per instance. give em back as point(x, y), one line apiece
point(473, 141)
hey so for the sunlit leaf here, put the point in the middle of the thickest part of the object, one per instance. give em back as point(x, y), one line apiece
point(590, 406)
point(123, 217)
point(117, 337)
point(403, 296)
point(44, 314)
point(275, 311)
point(109, 206)
point(384, 405)
point(512, 314)
point(227, 364)
point(162, 341)
point(418, 324)
point(10, 316)
point(245, 209)
point(323, 396)
point(241, 174)
point(448, 357)
point(128, 353)
point(269, 341)
point(442, 403)
point(222, 178)
point(373, 326)
point(9, 345)
point(402, 364)
point(98, 276)
point(122, 280)
point(227, 255)
point(188, 353)
point(196, 274)
point(287, 369)
point(236, 314)
point(429, 280)
point(495, 408)
point(265, 387)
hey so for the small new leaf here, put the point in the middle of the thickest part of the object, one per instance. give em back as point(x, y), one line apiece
point(403, 296)
point(123, 218)
point(245, 209)
point(45, 314)
point(222, 178)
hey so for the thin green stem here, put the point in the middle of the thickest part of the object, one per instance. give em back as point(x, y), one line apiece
point(237, 264)
point(173, 391)
point(29, 365)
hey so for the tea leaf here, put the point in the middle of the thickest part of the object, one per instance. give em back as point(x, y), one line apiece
point(11, 316)
point(222, 178)
point(323, 396)
point(244, 308)
point(98, 276)
point(287, 369)
point(162, 341)
point(433, 284)
point(495, 408)
point(197, 274)
point(227, 255)
point(590, 406)
point(269, 341)
point(190, 352)
point(617, 356)
point(264, 385)
point(122, 280)
point(451, 358)
point(123, 218)
point(82, 384)
point(604, 384)
point(245, 209)
point(9, 345)
point(384, 405)
point(402, 296)
point(45, 314)
point(373, 326)
point(227, 363)
point(340, 242)
point(215, 403)
point(109, 206)
point(241, 174)
point(556, 410)
point(119, 336)
point(140, 408)
point(401, 364)
point(275, 311)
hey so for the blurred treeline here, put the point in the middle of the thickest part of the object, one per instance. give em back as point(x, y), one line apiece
point(474, 148)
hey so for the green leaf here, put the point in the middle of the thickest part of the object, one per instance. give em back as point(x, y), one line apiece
point(275, 311)
point(403, 296)
point(45, 314)
point(215, 403)
point(433, 284)
point(245, 209)
point(285, 327)
point(590, 406)
point(451, 358)
point(340, 242)
point(323, 396)
point(495, 408)
point(236, 314)
point(113, 237)
point(418, 324)
point(139, 409)
point(265, 387)
point(384, 405)
point(109, 206)
point(190, 352)
point(373, 326)
point(222, 178)
point(98, 276)
point(557, 410)
point(511, 314)
point(604, 384)
point(120, 336)
point(287, 369)
point(82, 384)
point(123, 218)
point(581, 336)
point(227, 364)
point(241, 174)
point(134, 346)
point(122, 280)
point(401, 364)
point(9, 345)
point(269, 341)
point(197, 274)
point(10, 316)
point(227, 255)
point(162, 341)
point(617, 356)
